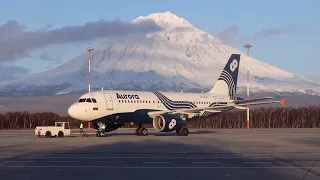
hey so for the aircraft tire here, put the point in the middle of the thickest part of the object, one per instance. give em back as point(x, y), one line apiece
point(100, 134)
point(184, 132)
point(137, 131)
point(143, 132)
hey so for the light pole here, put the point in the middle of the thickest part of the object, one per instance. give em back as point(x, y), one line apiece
point(248, 46)
point(89, 49)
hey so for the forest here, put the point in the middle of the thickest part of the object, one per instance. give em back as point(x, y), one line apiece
point(284, 117)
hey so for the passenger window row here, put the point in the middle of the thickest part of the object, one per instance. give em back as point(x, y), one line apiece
point(145, 101)
point(89, 100)
point(135, 101)
point(92, 100)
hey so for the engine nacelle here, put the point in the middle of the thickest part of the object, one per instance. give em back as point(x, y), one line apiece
point(167, 123)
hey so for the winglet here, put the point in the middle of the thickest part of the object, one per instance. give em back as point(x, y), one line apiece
point(282, 101)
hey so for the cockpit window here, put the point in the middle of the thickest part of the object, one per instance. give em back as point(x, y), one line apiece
point(82, 100)
point(89, 100)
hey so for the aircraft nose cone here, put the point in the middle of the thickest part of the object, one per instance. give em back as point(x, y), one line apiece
point(72, 111)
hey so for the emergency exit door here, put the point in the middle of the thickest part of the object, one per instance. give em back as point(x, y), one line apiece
point(158, 103)
point(109, 102)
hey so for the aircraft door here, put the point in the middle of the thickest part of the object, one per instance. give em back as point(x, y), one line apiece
point(109, 101)
point(158, 103)
point(216, 101)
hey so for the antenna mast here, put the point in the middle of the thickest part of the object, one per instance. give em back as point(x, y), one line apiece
point(248, 46)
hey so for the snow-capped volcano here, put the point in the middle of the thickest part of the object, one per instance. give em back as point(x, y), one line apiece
point(179, 57)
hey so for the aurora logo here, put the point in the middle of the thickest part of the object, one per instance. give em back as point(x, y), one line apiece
point(127, 96)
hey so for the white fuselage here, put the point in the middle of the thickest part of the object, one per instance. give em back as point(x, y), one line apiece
point(105, 103)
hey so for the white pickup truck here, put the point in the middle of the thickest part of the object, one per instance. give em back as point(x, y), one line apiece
point(60, 129)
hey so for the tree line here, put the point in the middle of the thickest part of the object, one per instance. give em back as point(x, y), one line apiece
point(303, 117)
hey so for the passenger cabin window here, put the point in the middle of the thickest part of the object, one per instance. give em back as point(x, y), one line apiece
point(89, 100)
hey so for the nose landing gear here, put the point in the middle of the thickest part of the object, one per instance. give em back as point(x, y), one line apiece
point(101, 130)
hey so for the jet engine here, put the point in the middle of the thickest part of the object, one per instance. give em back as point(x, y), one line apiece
point(168, 122)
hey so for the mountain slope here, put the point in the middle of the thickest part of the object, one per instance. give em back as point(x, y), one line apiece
point(180, 57)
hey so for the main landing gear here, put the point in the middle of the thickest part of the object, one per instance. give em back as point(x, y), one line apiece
point(141, 131)
point(182, 132)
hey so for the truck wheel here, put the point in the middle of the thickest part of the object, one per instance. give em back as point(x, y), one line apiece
point(48, 134)
point(60, 134)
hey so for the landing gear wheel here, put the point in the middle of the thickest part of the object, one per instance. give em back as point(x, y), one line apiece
point(100, 134)
point(137, 131)
point(143, 132)
point(183, 132)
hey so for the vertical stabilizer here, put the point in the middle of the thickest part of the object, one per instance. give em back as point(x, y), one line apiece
point(226, 84)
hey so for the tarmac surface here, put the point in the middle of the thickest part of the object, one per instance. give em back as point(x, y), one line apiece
point(238, 154)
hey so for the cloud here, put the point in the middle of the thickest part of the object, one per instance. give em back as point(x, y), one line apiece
point(16, 42)
point(45, 56)
point(232, 33)
point(12, 72)
point(290, 28)
point(227, 35)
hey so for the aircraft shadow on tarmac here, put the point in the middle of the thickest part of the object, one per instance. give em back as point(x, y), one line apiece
point(161, 133)
point(155, 159)
point(109, 134)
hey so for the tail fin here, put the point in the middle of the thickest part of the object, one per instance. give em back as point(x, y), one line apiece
point(227, 81)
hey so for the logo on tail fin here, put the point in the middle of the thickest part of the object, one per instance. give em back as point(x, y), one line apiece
point(233, 65)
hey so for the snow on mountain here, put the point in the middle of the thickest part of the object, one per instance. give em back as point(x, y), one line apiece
point(315, 78)
point(180, 57)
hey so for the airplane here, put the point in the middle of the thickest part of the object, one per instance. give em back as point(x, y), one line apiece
point(109, 110)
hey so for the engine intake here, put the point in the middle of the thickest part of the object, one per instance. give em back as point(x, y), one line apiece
point(167, 123)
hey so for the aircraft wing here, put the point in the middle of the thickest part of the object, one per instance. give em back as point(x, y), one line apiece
point(243, 104)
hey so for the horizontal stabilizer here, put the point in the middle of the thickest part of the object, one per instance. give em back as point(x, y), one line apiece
point(251, 100)
point(244, 105)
